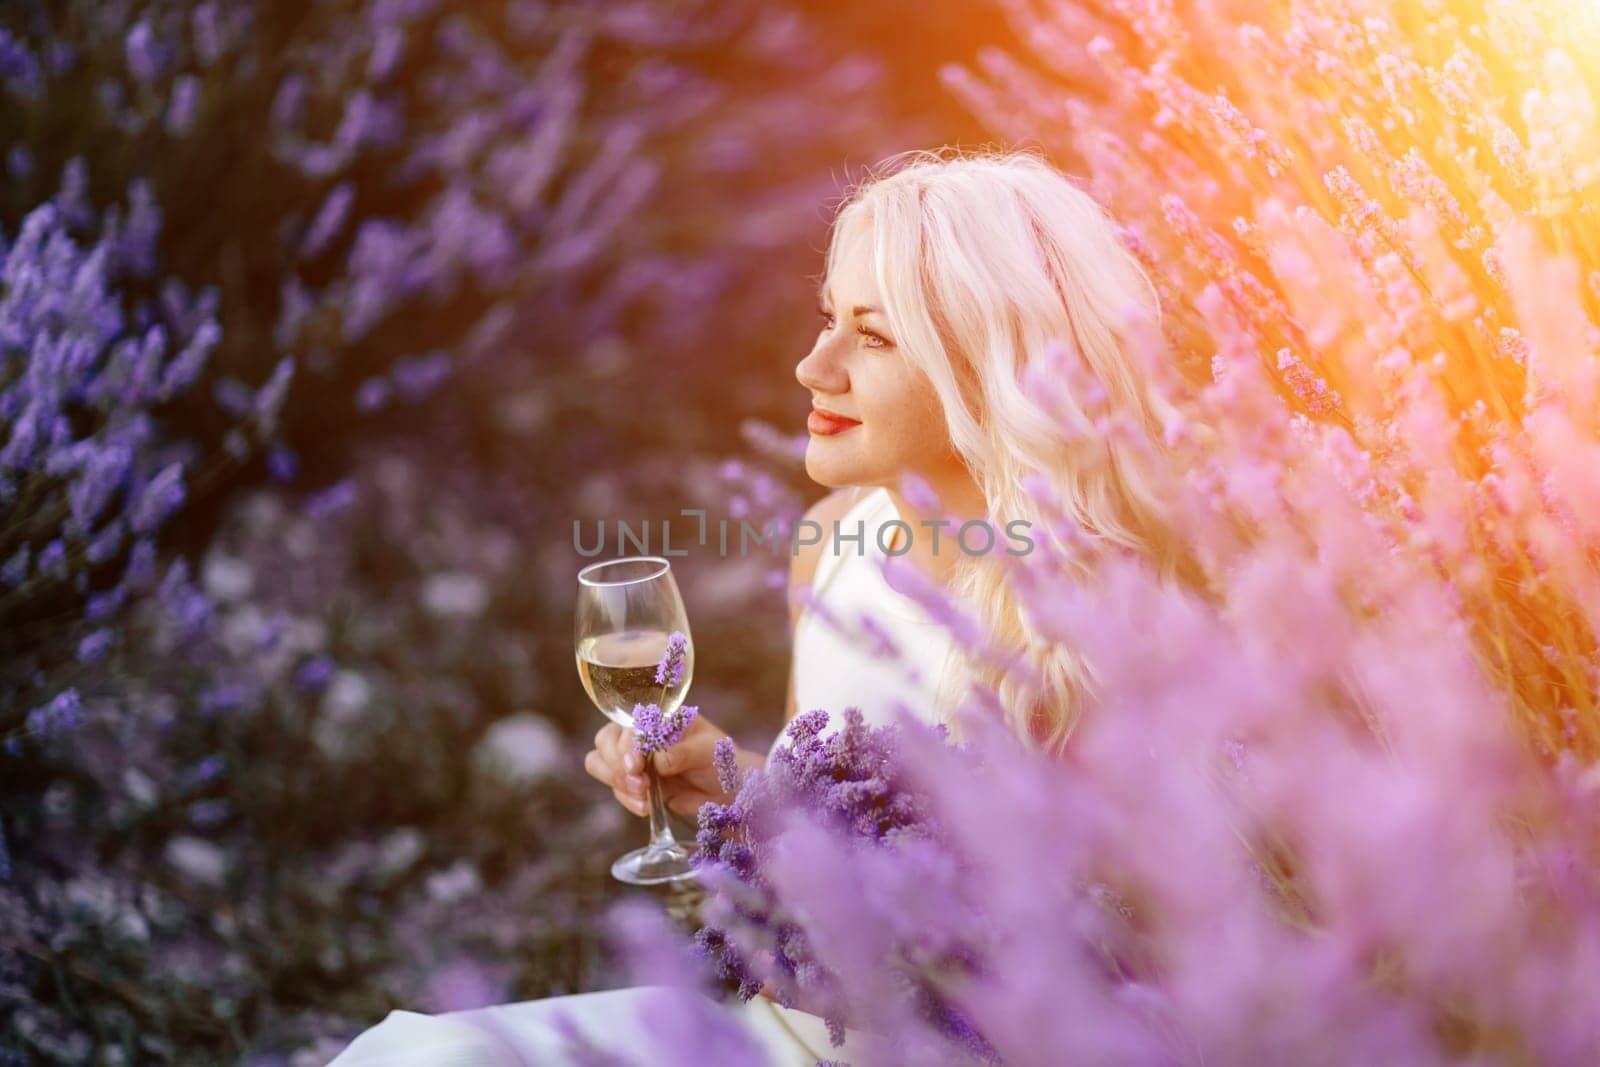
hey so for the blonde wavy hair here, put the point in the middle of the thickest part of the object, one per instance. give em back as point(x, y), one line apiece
point(984, 259)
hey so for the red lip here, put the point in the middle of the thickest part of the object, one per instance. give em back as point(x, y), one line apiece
point(825, 424)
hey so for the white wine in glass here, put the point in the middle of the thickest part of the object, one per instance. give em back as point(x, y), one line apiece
point(619, 671)
point(626, 612)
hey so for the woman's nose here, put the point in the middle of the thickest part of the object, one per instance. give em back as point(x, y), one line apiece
point(820, 372)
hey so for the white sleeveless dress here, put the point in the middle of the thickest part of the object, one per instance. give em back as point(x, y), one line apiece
point(866, 643)
point(863, 643)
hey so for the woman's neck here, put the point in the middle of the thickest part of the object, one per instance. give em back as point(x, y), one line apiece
point(961, 501)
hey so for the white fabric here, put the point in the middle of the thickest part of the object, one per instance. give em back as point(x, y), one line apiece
point(526, 1034)
point(837, 666)
point(832, 671)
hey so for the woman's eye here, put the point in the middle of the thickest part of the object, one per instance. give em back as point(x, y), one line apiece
point(874, 340)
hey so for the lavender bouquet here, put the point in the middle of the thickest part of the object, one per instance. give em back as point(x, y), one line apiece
point(856, 787)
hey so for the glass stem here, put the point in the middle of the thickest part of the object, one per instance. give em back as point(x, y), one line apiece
point(660, 830)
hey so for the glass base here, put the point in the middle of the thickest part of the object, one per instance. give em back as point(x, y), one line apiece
point(652, 865)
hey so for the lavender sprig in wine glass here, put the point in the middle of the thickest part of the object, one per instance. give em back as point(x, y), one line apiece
point(636, 659)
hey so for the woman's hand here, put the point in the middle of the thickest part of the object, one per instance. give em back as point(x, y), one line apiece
point(688, 777)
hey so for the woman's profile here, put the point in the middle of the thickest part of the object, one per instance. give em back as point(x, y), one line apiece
point(948, 274)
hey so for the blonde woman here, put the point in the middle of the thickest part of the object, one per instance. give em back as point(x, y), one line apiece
point(948, 276)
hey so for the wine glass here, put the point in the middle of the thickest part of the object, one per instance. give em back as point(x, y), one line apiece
point(627, 610)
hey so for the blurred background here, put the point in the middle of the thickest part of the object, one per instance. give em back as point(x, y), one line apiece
point(322, 325)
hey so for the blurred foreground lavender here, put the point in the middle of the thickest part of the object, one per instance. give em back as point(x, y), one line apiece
point(852, 782)
point(1291, 829)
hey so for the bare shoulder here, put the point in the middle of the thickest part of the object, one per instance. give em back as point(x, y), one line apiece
point(803, 564)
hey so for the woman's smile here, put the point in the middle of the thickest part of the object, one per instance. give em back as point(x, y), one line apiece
point(826, 424)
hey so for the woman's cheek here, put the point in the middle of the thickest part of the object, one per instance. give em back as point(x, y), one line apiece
point(900, 443)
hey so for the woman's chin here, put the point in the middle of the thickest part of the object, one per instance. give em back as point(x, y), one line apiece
point(832, 475)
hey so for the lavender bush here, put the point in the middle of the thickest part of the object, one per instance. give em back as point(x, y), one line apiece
point(210, 889)
point(1390, 208)
point(90, 470)
point(467, 233)
point(398, 190)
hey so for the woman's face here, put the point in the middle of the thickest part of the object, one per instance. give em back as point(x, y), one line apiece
point(856, 370)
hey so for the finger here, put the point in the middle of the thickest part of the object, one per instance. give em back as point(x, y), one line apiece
point(598, 768)
point(612, 774)
point(619, 745)
point(633, 804)
point(695, 749)
point(629, 759)
point(605, 742)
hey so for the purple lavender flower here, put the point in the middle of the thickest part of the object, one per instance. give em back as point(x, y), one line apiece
point(19, 68)
point(269, 399)
point(183, 105)
point(145, 54)
point(206, 26)
point(20, 449)
point(387, 50)
point(52, 559)
point(15, 569)
point(132, 376)
point(19, 164)
point(655, 732)
point(417, 376)
point(106, 543)
point(187, 364)
point(314, 672)
point(282, 463)
point(106, 603)
point(64, 713)
point(159, 498)
point(672, 660)
point(232, 395)
point(135, 236)
point(724, 758)
point(288, 105)
point(93, 648)
point(225, 696)
point(372, 394)
point(207, 770)
point(329, 220)
point(185, 606)
point(141, 572)
point(332, 500)
point(72, 200)
point(209, 813)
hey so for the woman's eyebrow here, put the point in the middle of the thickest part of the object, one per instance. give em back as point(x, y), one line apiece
point(858, 311)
